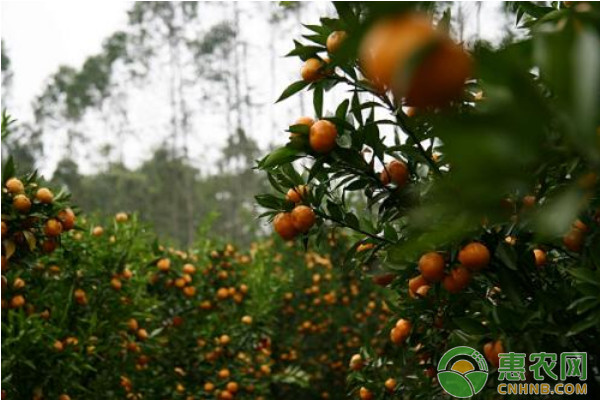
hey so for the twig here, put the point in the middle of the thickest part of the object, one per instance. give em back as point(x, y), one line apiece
point(332, 219)
point(403, 126)
point(410, 134)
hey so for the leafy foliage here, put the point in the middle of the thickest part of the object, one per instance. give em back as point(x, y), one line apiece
point(112, 312)
point(511, 163)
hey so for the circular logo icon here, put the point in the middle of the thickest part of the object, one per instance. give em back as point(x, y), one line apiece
point(462, 372)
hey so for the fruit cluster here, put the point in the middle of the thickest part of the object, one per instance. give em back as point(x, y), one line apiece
point(33, 220)
point(498, 218)
point(111, 310)
point(289, 224)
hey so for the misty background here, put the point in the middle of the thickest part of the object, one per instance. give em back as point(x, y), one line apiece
point(163, 107)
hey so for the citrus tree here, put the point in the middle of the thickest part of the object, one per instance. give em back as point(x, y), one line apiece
point(107, 311)
point(33, 222)
point(113, 313)
point(467, 176)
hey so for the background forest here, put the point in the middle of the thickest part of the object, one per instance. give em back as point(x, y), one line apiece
point(169, 117)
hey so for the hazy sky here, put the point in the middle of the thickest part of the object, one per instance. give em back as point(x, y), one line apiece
point(41, 35)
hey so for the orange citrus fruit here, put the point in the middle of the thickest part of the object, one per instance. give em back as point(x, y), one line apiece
point(322, 136)
point(44, 195)
point(540, 257)
point(67, 218)
point(21, 203)
point(303, 218)
point(311, 70)
point(53, 228)
point(14, 186)
point(431, 266)
point(474, 256)
point(284, 226)
point(395, 172)
point(335, 40)
point(296, 194)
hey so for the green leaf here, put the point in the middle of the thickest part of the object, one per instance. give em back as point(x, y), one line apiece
point(270, 201)
point(292, 174)
point(8, 170)
point(504, 317)
point(389, 232)
point(305, 52)
point(352, 221)
point(591, 321)
point(356, 108)
point(585, 275)
point(275, 184)
point(316, 28)
point(301, 129)
point(318, 101)
point(356, 185)
point(587, 88)
point(280, 156)
point(471, 326)
point(292, 89)
point(319, 39)
point(509, 286)
point(558, 212)
point(507, 254)
point(584, 304)
point(316, 169)
point(342, 109)
point(344, 10)
point(534, 10)
point(335, 210)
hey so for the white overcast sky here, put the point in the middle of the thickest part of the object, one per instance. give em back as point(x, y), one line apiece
point(41, 35)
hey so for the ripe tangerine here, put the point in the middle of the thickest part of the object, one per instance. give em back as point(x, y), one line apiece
point(322, 136)
point(491, 351)
point(395, 172)
point(573, 240)
point(439, 78)
point(474, 256)
point(21, 203)
point(311, 70)
point(164, 264)
point(431, 266)
point(67, 218)
point(44, 195)
point(389, 44)
point(540, 257)
point(365, 394)
point(303, 218)
point(17, 301)
point(121, 217)
point(335, 40)
point(415, 283)
point(390, 384)
point(296, 194)
point(53, 228)
point(283, 223)
point(15, 186)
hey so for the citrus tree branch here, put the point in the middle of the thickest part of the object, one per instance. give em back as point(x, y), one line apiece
point(361, 231)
